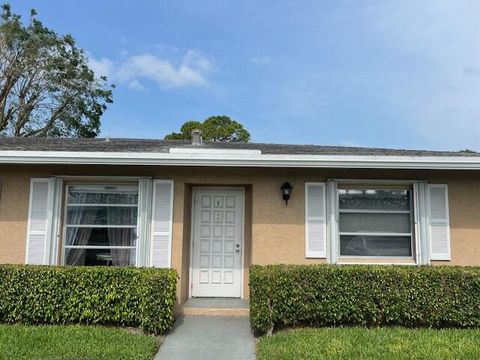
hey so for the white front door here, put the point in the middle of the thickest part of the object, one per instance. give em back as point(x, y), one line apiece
point(217, 242)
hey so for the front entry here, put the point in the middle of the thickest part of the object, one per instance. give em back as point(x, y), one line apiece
point(217, 242)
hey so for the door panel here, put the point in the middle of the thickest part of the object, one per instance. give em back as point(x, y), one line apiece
point(217, 243)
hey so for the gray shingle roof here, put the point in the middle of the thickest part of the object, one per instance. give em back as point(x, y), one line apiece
point(163, 146)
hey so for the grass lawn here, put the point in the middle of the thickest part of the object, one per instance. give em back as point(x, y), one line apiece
point(377, 343)
point(74, 342)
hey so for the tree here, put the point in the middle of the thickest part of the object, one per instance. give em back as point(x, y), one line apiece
point(185, 131)
point(46, 86)
point(214, 128)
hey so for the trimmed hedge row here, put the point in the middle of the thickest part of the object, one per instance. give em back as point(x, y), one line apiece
point(319, 295)
point(143, 297)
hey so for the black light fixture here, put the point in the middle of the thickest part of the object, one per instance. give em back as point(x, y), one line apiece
point(286, 191)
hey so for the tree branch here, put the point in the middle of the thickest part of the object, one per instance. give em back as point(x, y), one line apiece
point(42, 131)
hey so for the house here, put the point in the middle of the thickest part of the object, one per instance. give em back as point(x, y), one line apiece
point(210, 210)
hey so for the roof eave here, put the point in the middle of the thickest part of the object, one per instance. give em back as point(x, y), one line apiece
point(241, 160)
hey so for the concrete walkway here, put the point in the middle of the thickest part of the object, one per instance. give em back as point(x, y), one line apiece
point(209, 337)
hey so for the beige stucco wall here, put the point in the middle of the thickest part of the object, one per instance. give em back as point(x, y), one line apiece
point(275, 233)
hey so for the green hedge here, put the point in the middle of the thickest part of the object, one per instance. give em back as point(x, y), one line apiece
point(320, 295)
point(140, 297)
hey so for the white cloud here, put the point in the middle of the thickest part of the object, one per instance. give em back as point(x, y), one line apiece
point(134, 70)
point(260, 60)
point(471, 71)
point(136, 85)
point(101, 67)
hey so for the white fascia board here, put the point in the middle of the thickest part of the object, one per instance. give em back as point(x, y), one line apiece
point(240, 160)
point(214, 151)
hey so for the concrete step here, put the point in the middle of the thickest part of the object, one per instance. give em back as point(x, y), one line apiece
point(215, 307)
point(215, 312)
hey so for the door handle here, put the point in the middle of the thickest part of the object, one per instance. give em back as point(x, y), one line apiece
point(237, 248)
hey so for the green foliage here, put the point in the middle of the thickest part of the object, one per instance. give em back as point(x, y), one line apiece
point(26, 342)
point(88, 295)
point(185, 131)
point(377, 343)
point(321, 295)
point(46, 85)
point(224, 129)
point(214, 128)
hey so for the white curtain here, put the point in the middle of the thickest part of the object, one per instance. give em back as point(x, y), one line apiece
point(120, 237)
point(78, 236)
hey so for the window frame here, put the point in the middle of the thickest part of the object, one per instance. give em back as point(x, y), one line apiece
point(99, 186)
point(376, 185)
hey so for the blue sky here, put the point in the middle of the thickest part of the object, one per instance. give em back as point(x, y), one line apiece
point(386, 73)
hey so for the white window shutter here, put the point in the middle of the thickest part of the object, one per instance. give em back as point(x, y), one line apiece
point(315, 220)
point(439, 229)
point(162, 214)
point(39, 221)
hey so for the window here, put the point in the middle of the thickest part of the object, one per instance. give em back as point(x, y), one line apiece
point(375, 222)
point(100, 225)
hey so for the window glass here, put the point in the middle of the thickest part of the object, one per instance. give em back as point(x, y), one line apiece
point(386, 199)
point(102, 195)
point(100, 225)
point(375, 222)
point(99, 257)
point(101, 215)
point(367, 222)
point(375, 246)
point(79, 236)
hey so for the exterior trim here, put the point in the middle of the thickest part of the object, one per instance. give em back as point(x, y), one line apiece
point(396, 263)
point(315, 254)
point(369, 182)
point(437, 256)
point(201, 150)
point(48, 224)
point(170, 225)
point(195, 158)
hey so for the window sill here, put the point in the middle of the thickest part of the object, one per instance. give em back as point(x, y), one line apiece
point(376, 261)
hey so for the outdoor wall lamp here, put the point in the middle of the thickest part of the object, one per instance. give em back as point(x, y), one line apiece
point(286, 191)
